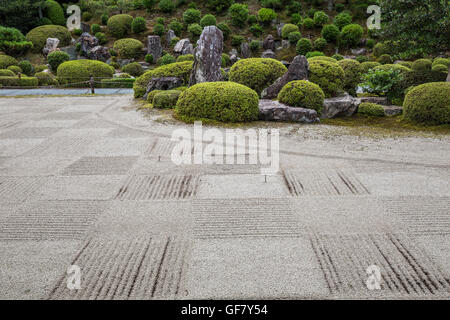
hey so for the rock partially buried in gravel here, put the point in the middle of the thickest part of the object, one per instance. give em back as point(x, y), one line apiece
point(208, 57)
point(343, 106)
point(163, 83)
point(298, 70)
point(392, 110)
point(270, 110)
point(378, 100)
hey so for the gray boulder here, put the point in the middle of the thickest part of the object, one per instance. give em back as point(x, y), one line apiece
point(183, 46)
point(163, 83)
point(358, 51)
point(154, 47)
point(245, 50)
point(270, 110)
point(269, 43)
point(392, 110)
point(285, 44)
point(85, 27)
point(208, 57)
point(71, 51)
point(50, 46)
point(268, 54)
point(343, 106)
point(169, 36)
point(87, 43)
point(298, 70)
point(378, 100)
point(99, 53)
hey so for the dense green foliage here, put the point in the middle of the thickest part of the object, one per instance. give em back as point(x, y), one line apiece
point(328, 75)
point(55, 58)
point(54, 12)
point(371, 109)
point(16, 82)
point(77, 71)
point(13, 42)
point(128, 48)
point(38, 36)
point(120, 24)
point(166, 99)
point(353, 72)
point(303, 94)
point(134, 69)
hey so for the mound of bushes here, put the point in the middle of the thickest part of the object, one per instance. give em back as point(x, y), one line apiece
point(80, 71)
point(320, 18)
point(138, 25)
point(384, 59)
point(415, 78)
point(6, 61)
point(351, 35)
point(422, 65)
point(120, 24)
point(192, 16)
point(371, 109)
point(287, 29)
point(55, 58)
point(166, 99)
point(6, 73)
point(342, 19)
point(238, 13)
point(128, 48)
point(443, 61)
point(208, 20)
point(428, 103)
point(15, 69)
point(134, 68)
point(177, 69)
point(13, 42)
point(257, 73)
point(221, 101)
point(303, 94)
point(266, 15)
point(328, 75)
point(440, 68)
point(352, 70)
point(403, 70)
point(54, 12)
point(16, 82)
point(38, 36)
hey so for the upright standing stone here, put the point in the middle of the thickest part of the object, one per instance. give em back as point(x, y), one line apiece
point(269, 43)
point(208, 57)
point(154, 47)
point(245, 50)
point(50, 46)
point(169, 36)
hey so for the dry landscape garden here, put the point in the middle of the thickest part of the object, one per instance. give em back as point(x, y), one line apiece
point(363, 115)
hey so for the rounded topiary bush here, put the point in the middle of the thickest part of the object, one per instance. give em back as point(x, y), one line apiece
point(185, 57)
point(351, 35)
point(166, 99)
point(328, 75)
point(138, 25)
point(192, 16)
point(38, 36)
point(177, 69)
point(266, 15)
point(54, 12)
point(303, 94)
point(166, 59)
point(55, 58)
point(303, 46)
point(444, 61)
point(6, 61)
point(134, 68)
point(320, 18)
point(399, 67)
point(407, 64)
point(440, 68)
point(422, 65)
point(371, 109)
point(342, 19)
point(221, 101)
point(26, 67)
point(320, 44)
point(257, 73)
point(353, 72)
point(195, 29)
point(428, 103)
point(15, 69)
point(208, 20)
point(385, 59)
point(80, 70)
point(287, 29)
point(128, 48)
point(308, 23)
point(120, 24)
point(368, 65)
point(6, 73)
point(330, 33)
point(294, 37)
point(324, 58)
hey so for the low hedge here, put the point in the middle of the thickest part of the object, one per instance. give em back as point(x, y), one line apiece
point(428, 103)
point(15, 69)
point(76, 71)
point(303, 94)
point(128, 48)
point(38, 36)
point(46, 79)
point(329, 76)
point(256, 73)
point(221, 101)
point(177, 69)
point(166, 99)
point(371, 109)
point(119, 25)
point(118, 83)
point(6, 61)
point(16, 82)
point(6, 73)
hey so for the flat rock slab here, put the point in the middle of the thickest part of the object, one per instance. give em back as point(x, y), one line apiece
point(378, 100)
point(343, 106)
point(392, 110)
point(275, 111)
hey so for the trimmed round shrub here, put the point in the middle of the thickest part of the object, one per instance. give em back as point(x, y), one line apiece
point(119, 25)
point(185, 57)
point(54, 12)
point(330, 33)
point(320, 18)
point(166, 99)
point(221, 101)
point(266, 15)
point(166, 59)
point(368, 65)
point(422, 64)
point(328, 75)
point(6, 61)
point(104, 19)
point(308, 23)
point(362, 58)
point(342, 19)
point(351, 35)
point(191, 16)
point(337, 56)
point(302, 94)
point(294, 37)
point(55, 58)
point(134, 68)
point(444, 61)
point(385, 59)
point(256, 29)
point(138, 25)
point(166, 6)
point(152, 94)
point(27, 67)
point(379, 49)
point(226, 60)
point(195, 30)
point(303, 46)
point(38, 36)
point(6, 73)
point(45, 79)
point(371, 109)
point(176, 26)
point(352, 71)
point(128, 48)
point(148, 58)
point(252, 19)
point(177, 69)
point(297, 19)
point(370, 43)
point(440, 68)
point(95, 28)
point(159, 29)
point(208, 20)
point(238, 13)
point(225, 30)
point(257, 73)
point(80, 70)
point(320, 44)
point(407, 64)
point(236, 40)
point(87, 16)
point(15, 69)
point(102, 39)
point(428, 103)
point(323, 58)
point(287, 29)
